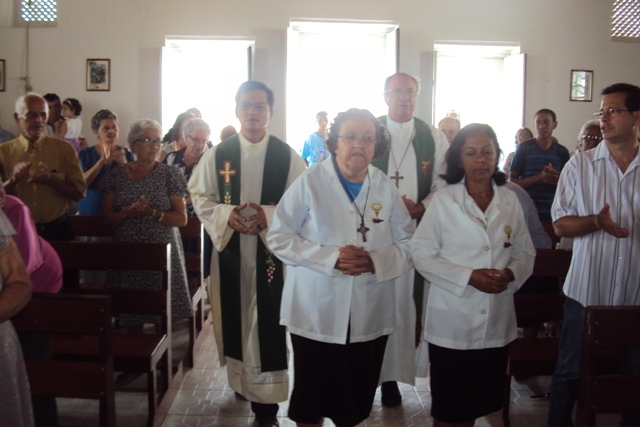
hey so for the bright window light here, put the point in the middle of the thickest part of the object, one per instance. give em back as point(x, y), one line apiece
point(626, 20)
point(203, 73)
point(39, 10)
point(333, 67)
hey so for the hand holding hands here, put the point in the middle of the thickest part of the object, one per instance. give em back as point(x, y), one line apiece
point(550, 175)
point(353, 261)
point(239, 223)
point(490, 280)
point(139, 208)
point(43, 176)
point(416, 210)
point(21, 171)
point(603, 220)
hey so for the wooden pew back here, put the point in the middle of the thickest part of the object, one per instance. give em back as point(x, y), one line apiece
point(73, 316)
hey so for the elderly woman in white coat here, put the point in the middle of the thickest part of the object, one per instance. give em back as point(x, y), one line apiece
point(344, 233)
point(474, 247)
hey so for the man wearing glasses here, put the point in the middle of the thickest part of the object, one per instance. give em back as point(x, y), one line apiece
point(596, 204)
point(253, 170)
point(414, 163)
point(538, 163)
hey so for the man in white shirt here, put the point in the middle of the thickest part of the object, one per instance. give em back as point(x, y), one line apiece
point(596, 205)
point(235, 190)
point(414, 162)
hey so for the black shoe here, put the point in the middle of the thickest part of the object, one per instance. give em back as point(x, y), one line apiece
point(267, 421)
point(391, 394)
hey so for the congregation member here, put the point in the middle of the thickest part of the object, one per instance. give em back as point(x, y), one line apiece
point(538, 162)
point(470, 317)
point(175, 138)
point(55, 119)
point(450, 126)
point(343, 232)
point(523, 134)
point(414, 162)
point(596, 205)
point(101, 158)
point(590, 135)
point(15, 292)
point(313, 150)
point(253, 170)
point(44, 173)
point(5, 135)
point(144, 202)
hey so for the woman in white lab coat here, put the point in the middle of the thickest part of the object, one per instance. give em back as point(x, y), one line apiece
point(474, 247)
point(343, 232)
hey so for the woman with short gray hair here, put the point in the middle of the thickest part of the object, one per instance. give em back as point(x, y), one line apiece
point(144, 202)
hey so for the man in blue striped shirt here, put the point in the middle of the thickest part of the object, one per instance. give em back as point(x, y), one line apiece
point(538, 162)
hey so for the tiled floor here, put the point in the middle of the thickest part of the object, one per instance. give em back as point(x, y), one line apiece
point(205, 400)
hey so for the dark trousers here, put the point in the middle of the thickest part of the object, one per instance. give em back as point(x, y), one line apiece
point(265, 411)
point(60, 229)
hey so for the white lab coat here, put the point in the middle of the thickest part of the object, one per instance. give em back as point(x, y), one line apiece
point(313, 219)
point(451, 242)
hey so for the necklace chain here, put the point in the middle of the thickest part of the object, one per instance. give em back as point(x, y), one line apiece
point(397, 166)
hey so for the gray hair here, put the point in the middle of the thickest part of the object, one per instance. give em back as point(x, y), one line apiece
point(101, 115)
point(20, 107)
point(194, 124)
point(416, 80)
point(139, 127)
point(583, 129)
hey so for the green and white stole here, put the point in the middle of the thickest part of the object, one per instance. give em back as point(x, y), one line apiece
point(271, 335)
point(425, 149)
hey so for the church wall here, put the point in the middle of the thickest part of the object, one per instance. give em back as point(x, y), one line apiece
point(556, 35)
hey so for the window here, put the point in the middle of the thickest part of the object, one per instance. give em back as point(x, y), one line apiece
point(626, 21)
point(333, 66)
point(204, 73)
point(39, 10)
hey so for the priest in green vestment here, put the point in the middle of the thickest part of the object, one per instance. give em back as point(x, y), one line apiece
point(234, 190)
point(414, 163)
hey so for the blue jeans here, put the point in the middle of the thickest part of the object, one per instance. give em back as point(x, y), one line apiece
point(566, 378)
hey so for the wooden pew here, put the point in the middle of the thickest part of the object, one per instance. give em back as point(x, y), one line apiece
point(193, 264)
point(138, 353)
point(536, 356)
point(607, 328)
point(95, 226)
point(72, 316)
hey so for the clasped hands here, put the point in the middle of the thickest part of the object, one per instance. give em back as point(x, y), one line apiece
point(21, 171)
point(353, 261)
point(258, 221)
point(139, 208)
point(491, 280)
point(550, 175)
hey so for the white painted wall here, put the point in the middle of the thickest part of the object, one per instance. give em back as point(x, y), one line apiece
point(557, 35)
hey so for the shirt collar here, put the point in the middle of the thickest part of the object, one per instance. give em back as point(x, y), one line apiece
point(26, 144)
point(250, 146)
point(602, 152)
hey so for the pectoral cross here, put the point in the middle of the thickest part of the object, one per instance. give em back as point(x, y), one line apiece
point(397, 178)
point(227, 172)
point(363, 229)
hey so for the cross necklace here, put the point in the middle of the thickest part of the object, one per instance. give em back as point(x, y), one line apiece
point(397, 176)
point(363, 228)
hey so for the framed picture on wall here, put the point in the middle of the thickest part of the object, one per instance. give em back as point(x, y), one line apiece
point(98, 75)
point(581, 85)
point(2, 75)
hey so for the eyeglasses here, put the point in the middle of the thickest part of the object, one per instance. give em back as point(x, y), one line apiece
point(398, 91)
point(258, 107)
point(198, 140)
point(149, 141)
point(367, 140)
point(611, 111)
point(594, 137)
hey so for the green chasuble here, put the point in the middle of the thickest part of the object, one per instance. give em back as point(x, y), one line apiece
point(425, 149)
point(271, 335)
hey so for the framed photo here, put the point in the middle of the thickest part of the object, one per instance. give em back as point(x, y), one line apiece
point(99, 75)
point(581, 85)
point(2, 76)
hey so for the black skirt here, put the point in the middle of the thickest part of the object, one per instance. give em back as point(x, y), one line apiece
point(336, 381)
point(466, 384)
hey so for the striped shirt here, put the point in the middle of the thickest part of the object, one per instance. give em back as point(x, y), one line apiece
point(604, 269)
